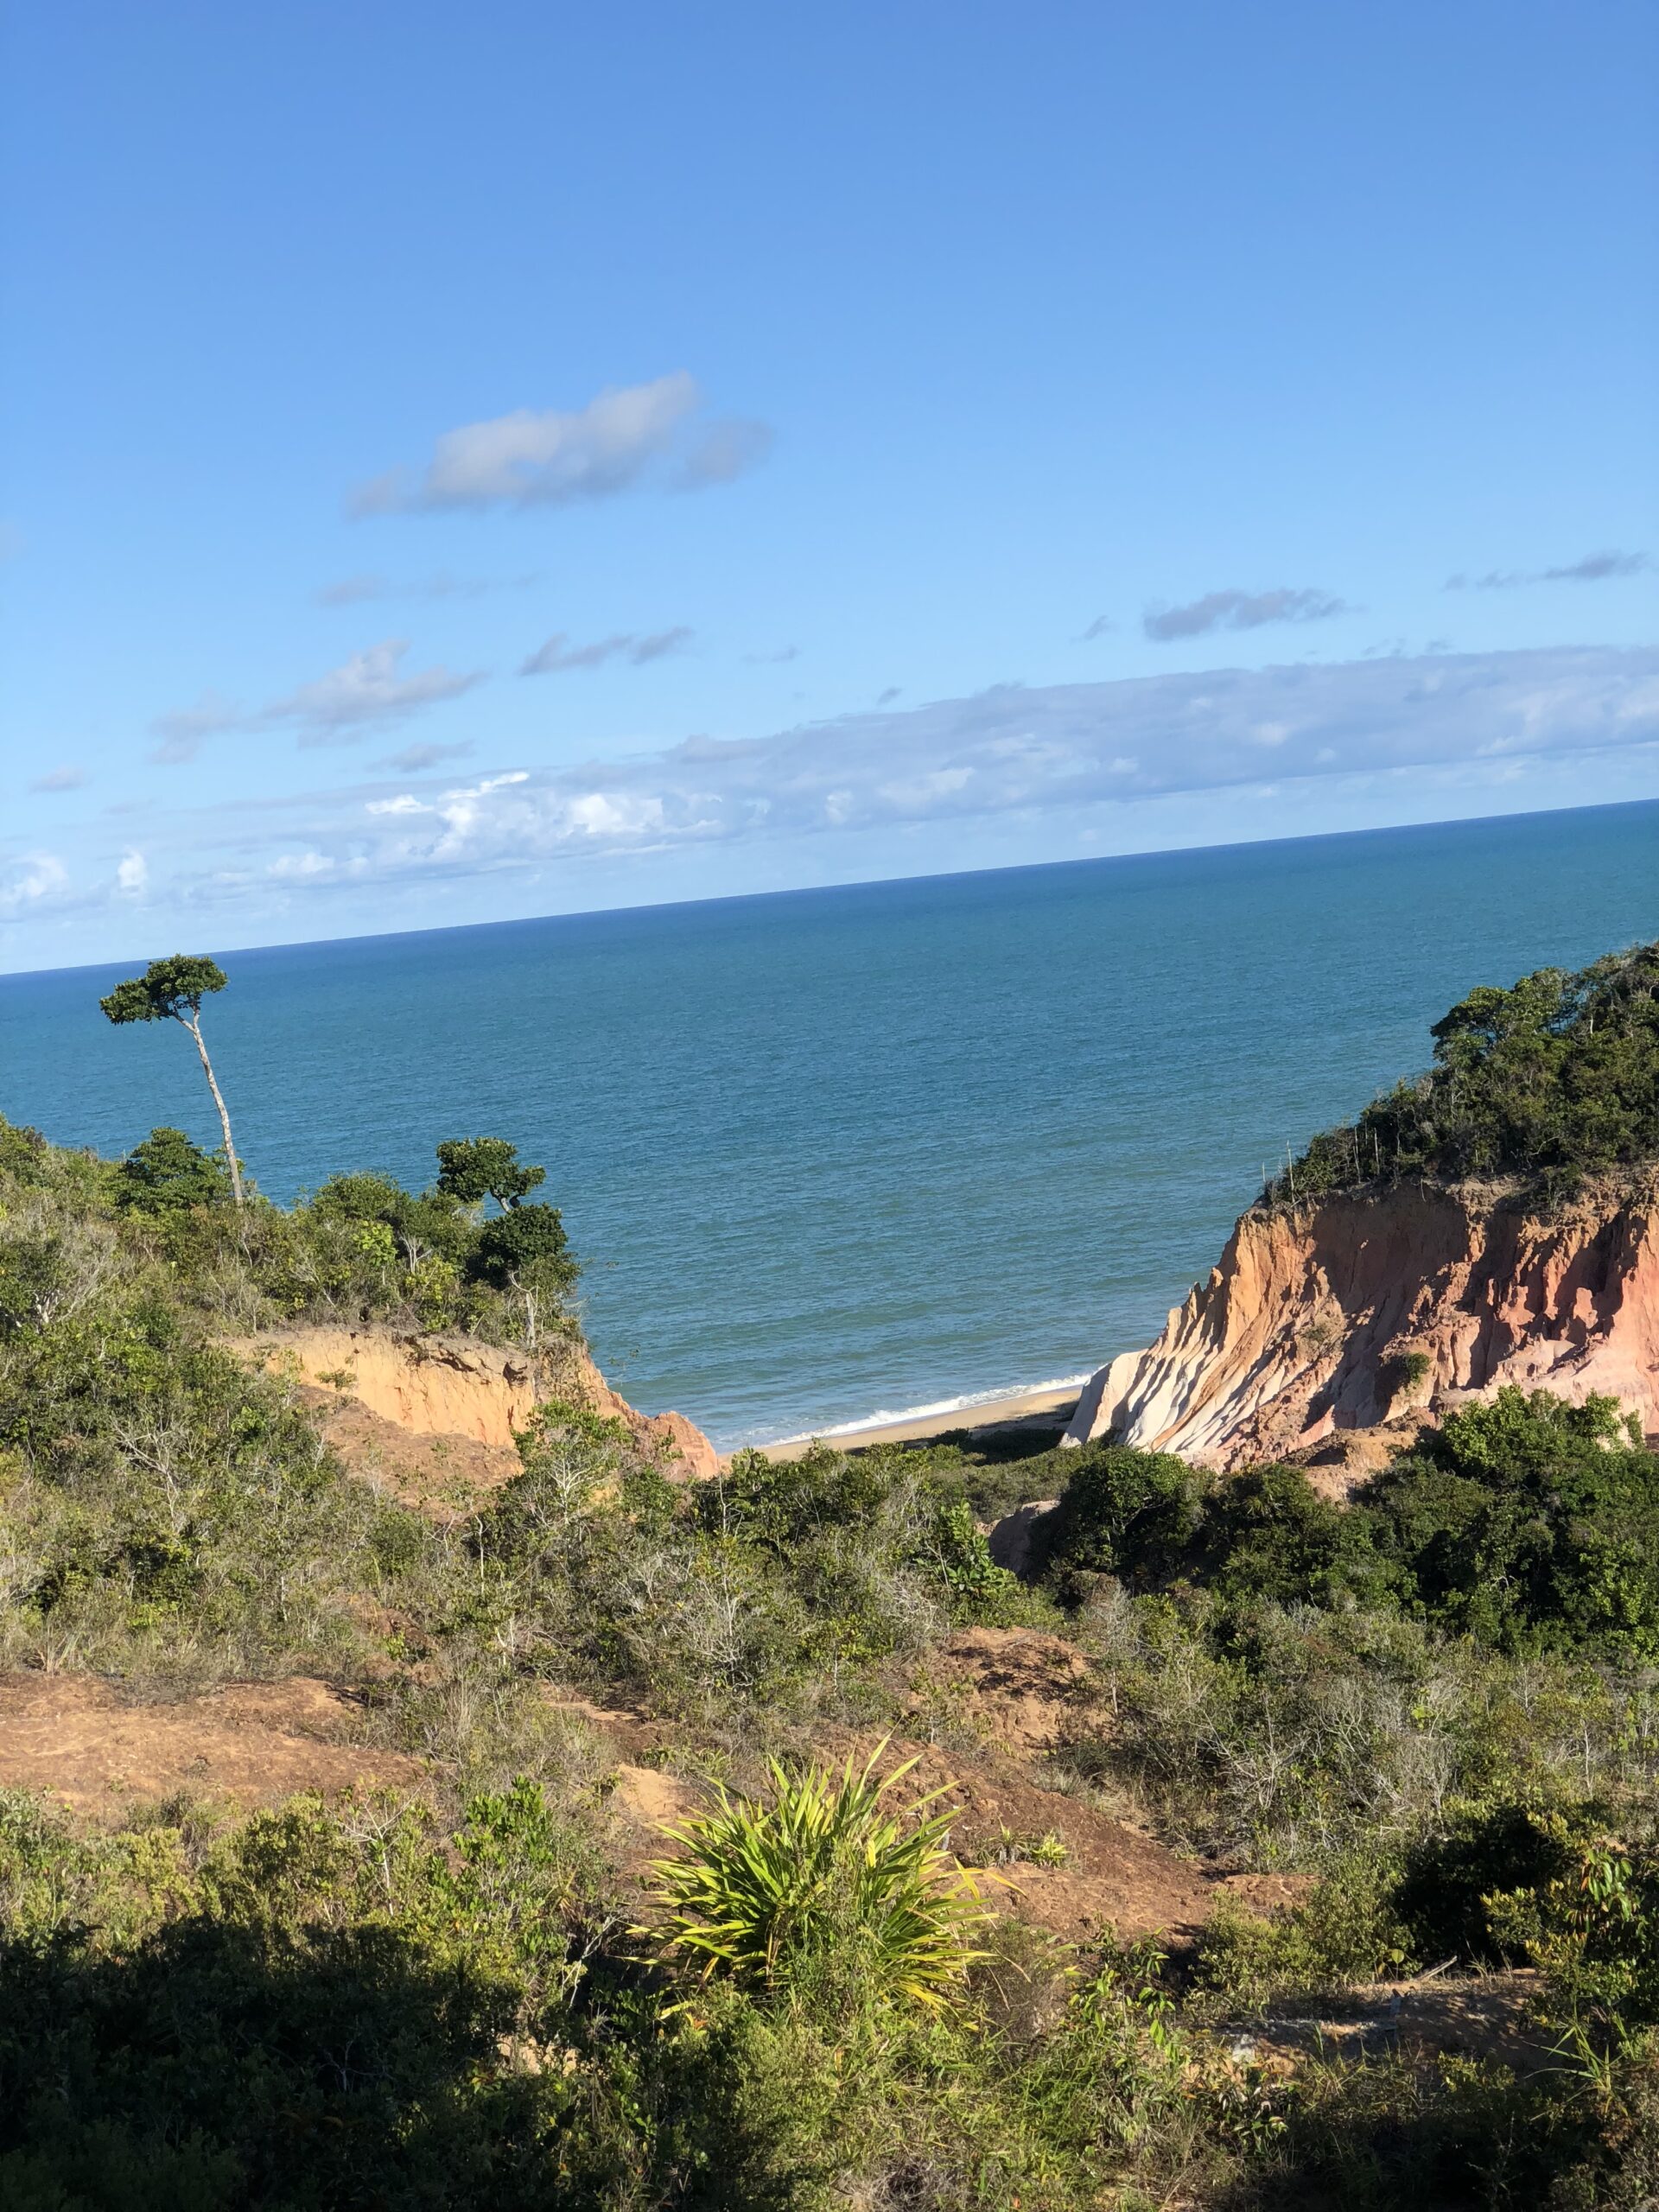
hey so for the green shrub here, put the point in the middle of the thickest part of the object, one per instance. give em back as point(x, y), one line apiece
point(1553, 1079)
point(166, 1172)
point(1131, 1514)
point(1526, 1520)
point(825, 1885)
point(1348, 1929)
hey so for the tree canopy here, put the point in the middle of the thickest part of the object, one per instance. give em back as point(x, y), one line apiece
point(472, 1169)
point(173, 990)
point(1546, 1081)
point(165, 989)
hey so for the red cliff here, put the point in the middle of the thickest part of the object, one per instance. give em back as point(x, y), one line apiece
point(1310, 1321)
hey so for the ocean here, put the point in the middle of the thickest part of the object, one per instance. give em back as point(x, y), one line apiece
point(839, 1154)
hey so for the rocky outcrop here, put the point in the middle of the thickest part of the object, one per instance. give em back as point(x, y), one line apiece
point(457, 1386)
point(1009, 1541)
point(1362, 1307)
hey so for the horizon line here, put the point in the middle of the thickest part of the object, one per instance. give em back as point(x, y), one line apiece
point(866, 883)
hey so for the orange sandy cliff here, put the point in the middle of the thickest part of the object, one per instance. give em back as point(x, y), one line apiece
point(459, 1387)
point(1306, 1325)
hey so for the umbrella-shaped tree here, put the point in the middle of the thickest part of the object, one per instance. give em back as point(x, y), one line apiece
point(173, 990)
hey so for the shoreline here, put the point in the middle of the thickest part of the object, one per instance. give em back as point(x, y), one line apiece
point(1049, 1408)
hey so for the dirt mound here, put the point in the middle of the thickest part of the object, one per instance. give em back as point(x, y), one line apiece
point(1011, 1539)
point(1344, 1462)
point(447, 1476)
point(1486, 2017)
point(457, 1387)
point(256, 1742)
point(1111, 1881)
point(1016, 1688)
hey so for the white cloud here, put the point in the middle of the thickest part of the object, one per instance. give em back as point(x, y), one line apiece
point(412, 759)
point(1055, 750)
point(1236, 610)
point(723, 453)
point(368, 688)
point(1061, 755)
point(61, 779)
point(555, 457)
point(35, 879)
point(183, 731)
point(1592, 569)
point(334, 709)
point(132, 875)
point(350, 591)
point(558, 655)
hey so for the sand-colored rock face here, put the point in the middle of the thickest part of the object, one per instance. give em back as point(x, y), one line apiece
point(1303, 1327)
point(455, 1386)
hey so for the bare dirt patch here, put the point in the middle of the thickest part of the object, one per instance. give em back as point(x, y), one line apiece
point(447, 1476)
point(1015, 1688)
point(1112, 1883)
point(1487, 2017)
point(255, 1743)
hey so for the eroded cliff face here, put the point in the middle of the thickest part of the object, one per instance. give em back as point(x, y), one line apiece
point(1306, 1325)
point(455, 1386)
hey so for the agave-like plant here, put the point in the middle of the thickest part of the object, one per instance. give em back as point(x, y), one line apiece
point(770, 1893)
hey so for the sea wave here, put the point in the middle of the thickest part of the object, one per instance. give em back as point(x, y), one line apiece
point(890, 1416)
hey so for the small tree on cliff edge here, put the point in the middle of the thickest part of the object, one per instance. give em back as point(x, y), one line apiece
point(173, 990)
point(472, 1169)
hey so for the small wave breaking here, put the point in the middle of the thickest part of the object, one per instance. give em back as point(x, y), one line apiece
point(970, 1402)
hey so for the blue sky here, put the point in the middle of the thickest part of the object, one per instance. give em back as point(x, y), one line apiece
point(464, 462)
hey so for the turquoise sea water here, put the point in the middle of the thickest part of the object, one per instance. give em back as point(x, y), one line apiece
point(831, 1154)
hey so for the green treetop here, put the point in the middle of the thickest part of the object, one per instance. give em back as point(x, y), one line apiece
point(472, 1169)
point(1549, 1081)
point(173, 990)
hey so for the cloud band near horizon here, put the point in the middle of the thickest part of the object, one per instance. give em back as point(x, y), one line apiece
point(1040, 753)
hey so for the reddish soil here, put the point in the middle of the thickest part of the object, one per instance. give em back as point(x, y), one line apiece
point(1114, 1883)
point(1015, 1688)
point(449, 1476)
point(255, 1743)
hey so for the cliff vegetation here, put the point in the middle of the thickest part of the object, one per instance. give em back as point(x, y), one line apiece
point(1429, 1724)
point(1550, 1082)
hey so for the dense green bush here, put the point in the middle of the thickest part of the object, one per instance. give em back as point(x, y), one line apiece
point(361, 1247)
point(1442, 1699)
point(1553, 1079)
point(1525, 1522)
point(167, 1172)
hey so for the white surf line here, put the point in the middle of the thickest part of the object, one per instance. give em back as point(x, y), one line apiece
point(964, 1404)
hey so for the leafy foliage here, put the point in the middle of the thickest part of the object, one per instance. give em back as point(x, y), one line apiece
point(168, 1173)
point(1553, 1079)
point(471, 1169)
point(1525, 1522)
point(166, 991)
point(825, 1879)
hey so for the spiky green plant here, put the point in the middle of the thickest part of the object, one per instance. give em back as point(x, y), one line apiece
point(826, 1881)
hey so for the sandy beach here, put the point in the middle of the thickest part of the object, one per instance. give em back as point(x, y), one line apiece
point(1044, 1409)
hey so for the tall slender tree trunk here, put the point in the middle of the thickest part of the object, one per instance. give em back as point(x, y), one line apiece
point(192, 1023)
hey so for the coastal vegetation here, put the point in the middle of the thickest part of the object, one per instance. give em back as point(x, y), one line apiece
point(173, 990)
point(1546, 1084)
point(1525, 1523)
point(754, 1841)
